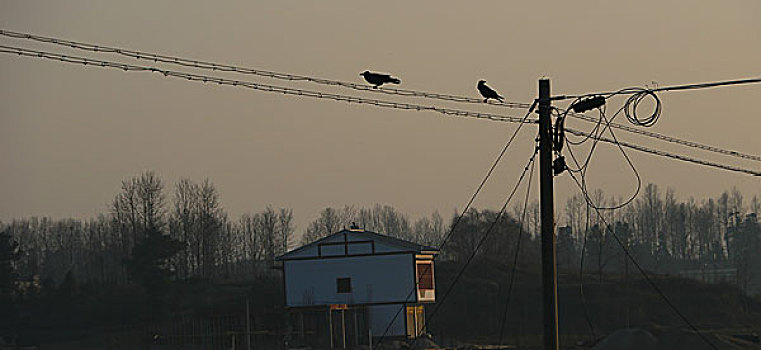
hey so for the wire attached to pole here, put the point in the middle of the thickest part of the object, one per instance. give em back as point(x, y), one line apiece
point(462, 214)
point(199, 64)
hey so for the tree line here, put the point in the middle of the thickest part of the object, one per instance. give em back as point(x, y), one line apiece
point(148, 233)
point(665, 234)
point(184, 231)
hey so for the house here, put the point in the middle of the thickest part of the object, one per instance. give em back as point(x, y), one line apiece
point(360, 284)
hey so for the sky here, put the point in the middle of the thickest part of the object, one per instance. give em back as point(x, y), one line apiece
point(70, 134)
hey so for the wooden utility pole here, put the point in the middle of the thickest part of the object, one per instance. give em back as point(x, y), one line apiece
point(549, 266)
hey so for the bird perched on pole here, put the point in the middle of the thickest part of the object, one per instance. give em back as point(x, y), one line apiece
point(487, 92)
point(378, 79)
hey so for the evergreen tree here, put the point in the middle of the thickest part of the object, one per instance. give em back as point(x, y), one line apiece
point(149, 265)
point(69, 288)
point(566, 249)
point(9, 254)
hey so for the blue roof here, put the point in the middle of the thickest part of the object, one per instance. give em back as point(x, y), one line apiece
point(361, 235)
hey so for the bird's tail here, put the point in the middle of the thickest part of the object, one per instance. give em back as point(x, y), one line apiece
point(500, 98)
point(395, 81)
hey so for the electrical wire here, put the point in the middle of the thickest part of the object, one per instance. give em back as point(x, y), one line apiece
point(630, 109)
point(631, 104)
point(256, 86)
point(639, 267)
point(515, 257)
point(480, 243)
point(709, 85)
point(667, 138)
point(583, 171)
point(638, 94)
point(595, 136)
point(348, 99)
point(581, 277)
point(462, 214)
point(667, 88)
point(193, 63)
point(669, 154)
point(292, 77)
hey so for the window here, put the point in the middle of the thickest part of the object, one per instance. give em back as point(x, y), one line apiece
point(425, 275)
point(343, 285)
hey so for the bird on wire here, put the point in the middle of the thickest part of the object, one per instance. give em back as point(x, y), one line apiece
point(378, 79)
point(488, 92)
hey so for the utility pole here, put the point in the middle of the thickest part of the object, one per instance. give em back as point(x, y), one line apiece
point(549, 266)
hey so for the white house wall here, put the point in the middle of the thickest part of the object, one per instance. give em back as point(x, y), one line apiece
point(374, 279)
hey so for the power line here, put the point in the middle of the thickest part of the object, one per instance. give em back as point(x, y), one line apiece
point(582, 187)
point(669, 138)
point(666, 154)
point(596, 138)
point(639, 267)
point(257, 86)
point(481, 241)
point(402, 92)
point(666, 88)
point(709, 85)
point(582, 296)
point(462, 214)
point(187, 62)
point(515, 257)
point(488, 174)
point(630, 110)
point(638, 94)
point(636, 97)
point(343, 98)
point(583, 172)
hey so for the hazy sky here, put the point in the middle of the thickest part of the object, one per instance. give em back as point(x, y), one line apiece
point(69, 134)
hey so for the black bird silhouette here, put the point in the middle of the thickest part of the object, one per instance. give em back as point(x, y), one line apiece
point(378, 79)
point(487, 92)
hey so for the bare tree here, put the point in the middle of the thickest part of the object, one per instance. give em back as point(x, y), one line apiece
point(139, 206)
point(328, 223)
point(249, 228)
point(268, 226)
point(151, 201)
point(285, 229)
point(429, 231)
point(183, 224)
point(576, 214)
point(211, 221)
point(755, 206)
point(198, 220)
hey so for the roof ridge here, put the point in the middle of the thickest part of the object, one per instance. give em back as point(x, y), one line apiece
point(393, 241)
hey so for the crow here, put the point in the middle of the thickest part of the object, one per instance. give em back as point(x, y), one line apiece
point(378, 79)
point(487, 92)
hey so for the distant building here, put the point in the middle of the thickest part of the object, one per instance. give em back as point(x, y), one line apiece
point(356, 285)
